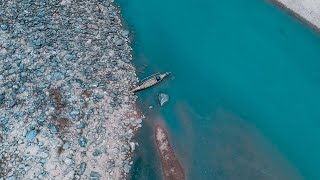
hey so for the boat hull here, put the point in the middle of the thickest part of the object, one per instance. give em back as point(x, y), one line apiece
point(150, 82)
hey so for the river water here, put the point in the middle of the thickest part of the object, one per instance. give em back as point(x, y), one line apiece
point(244, 91)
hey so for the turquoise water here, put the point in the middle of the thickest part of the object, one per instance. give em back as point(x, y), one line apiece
point(245, 62)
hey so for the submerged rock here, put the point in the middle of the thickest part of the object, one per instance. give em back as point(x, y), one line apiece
point(163, 98)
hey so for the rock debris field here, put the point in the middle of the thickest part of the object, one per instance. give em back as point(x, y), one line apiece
point(65, 107)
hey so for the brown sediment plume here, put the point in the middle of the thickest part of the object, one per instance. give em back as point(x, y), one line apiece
point(172, 169)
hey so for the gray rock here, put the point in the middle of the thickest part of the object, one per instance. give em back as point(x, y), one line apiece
point(66, 145)
point(68, 161)
point(125, 33)
point(126, 168)
point(43, 155)
point(119, 42)
point(163, 98)
point(132, 146)
point(138, 121)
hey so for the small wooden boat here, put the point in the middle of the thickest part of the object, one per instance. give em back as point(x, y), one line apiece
point(150, 81)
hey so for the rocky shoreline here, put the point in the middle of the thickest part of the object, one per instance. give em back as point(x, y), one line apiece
point(307, 11)
point(65, 107)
